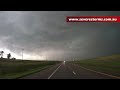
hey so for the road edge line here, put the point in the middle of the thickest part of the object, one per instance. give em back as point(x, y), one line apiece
point(54, 72)
point(100, 72)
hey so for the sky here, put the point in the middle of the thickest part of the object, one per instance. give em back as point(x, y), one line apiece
point(46, 35)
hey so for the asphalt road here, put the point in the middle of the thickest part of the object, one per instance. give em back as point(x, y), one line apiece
point(66, 71)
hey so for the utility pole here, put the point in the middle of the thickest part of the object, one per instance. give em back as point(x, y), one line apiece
point(22, 53)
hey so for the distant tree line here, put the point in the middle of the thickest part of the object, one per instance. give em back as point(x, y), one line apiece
point(8, 55)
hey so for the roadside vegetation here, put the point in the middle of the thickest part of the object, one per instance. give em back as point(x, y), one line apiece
point(106, 64)
point(13, 69)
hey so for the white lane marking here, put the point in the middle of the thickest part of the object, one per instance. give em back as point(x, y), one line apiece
point(54, 72)
point(100, 73)
point(74, 73)
point(72, 70)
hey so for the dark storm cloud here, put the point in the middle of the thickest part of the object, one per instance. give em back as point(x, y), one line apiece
point(47, 32)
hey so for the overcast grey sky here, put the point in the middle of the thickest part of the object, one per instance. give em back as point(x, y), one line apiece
point(47, 34)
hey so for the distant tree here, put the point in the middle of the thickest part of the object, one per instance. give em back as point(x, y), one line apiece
point(1, 53)
point(9, 56)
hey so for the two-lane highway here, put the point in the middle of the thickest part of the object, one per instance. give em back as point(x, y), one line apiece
point(63, 72)
point(67, 70)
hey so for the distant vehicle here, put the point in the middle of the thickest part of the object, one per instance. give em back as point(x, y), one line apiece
point(64, 62)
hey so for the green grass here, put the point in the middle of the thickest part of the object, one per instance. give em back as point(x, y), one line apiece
point(12, 69)
point(107, 64)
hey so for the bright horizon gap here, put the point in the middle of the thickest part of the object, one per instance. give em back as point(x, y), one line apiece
point(25, 56)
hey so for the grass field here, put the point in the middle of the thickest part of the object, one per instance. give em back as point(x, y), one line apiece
point(106, 64)
point(13, 69)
